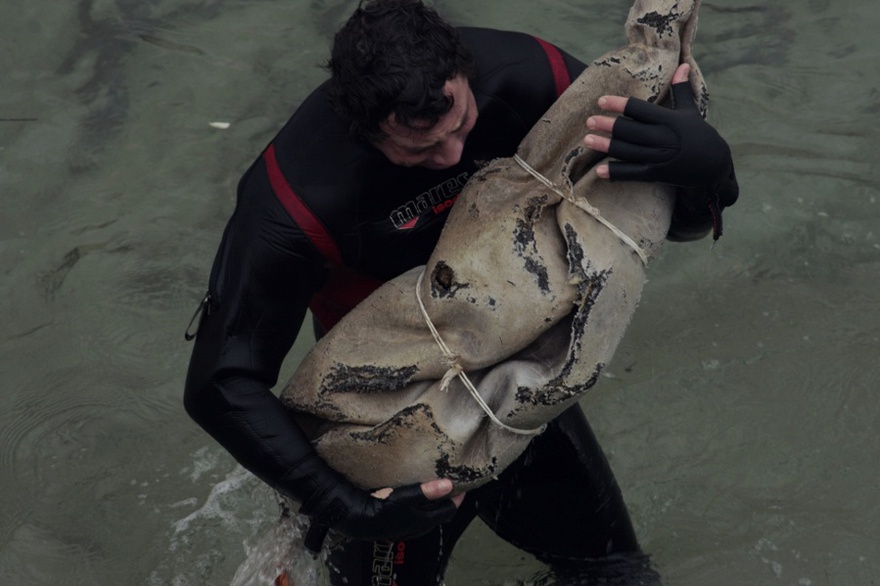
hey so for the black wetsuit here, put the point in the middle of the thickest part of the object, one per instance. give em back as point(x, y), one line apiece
point(361, 220)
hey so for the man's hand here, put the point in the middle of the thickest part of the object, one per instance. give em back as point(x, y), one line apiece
point(433, 490)
point(675, 146)
point(390, 514)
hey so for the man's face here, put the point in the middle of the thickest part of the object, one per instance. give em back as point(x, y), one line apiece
point(438, 146)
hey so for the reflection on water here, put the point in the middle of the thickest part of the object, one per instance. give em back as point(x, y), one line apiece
point(739, 413)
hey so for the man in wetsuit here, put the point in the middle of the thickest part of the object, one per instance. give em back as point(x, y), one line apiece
point(353, 191)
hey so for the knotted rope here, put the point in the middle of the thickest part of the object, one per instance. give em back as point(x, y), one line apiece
point(584, 205)
point(453, 361)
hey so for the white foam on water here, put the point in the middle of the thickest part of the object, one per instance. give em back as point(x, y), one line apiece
point(281, 550)
point(214, 508)
point(205, 531)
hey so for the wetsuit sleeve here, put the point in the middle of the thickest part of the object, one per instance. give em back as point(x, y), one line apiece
point(260, 286)
point(262, 279)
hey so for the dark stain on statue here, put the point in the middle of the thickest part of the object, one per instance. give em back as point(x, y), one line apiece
point(443, 283)
point(328, 409)
point(404, 419)
point(609, 62)
point(463, 474)
point(484, 172)
point(590, 285)
point(581, 388)
point(588, 291)
point(659, 22)
point(574, 252)
point(536, 268)
point(366, 379)
point(525, 245)
point(576, 165)
point(558, 390)
point(543, 396)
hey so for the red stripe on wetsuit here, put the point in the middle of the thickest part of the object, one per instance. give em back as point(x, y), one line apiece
point(557, 66)
point(344, 287)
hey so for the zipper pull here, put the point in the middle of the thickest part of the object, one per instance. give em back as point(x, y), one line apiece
point(190, 336)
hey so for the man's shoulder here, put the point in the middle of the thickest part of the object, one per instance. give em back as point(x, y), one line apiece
point(496, 42)
point(314, 146)
point(314, 120)
point(512, 57)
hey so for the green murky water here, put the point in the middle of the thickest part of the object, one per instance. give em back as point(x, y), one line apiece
point(740, 413)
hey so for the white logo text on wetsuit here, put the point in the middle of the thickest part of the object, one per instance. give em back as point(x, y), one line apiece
point(437, 199)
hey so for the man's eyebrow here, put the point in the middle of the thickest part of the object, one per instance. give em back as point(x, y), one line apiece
point(461, 124)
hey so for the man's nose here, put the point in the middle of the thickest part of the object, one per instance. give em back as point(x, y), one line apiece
point(450, 153)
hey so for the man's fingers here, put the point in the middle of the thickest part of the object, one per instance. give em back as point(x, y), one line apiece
point(613, 103)
point(382, 493)
point(682, 73)
point(433, 490)
point(629, 130)
point(601, 123)
point(631, 136)
point(436, 489)
point(627, 151)
point(618, 103)
point(597, 143)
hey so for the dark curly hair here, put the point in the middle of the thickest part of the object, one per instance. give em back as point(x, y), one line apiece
point(394, 56)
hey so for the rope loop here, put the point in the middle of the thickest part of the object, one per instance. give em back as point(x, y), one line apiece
point(583, 204)
point(453, 360)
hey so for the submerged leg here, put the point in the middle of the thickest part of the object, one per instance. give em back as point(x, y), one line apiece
point(413, 562)
point(560, 502)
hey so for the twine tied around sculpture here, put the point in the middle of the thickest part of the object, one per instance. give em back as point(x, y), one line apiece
point(584, 205)
point(453, 361)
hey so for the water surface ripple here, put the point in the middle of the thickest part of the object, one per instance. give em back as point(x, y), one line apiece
point(740, 412)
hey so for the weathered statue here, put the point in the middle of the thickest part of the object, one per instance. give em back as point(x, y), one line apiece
point(450, 369)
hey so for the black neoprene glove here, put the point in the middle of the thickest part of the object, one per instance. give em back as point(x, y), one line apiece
point(668, 145)
point(678, 147)
point(332, 502)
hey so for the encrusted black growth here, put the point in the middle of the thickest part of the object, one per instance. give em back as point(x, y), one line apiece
point(541, 396)
point(443, 283)
point(590, 285)
point(608, 62)
point(366, 379)
point(556, 391)
point(580, 388)
point(534, 266)
point(572, 154)
point(463, 474)
point(524, 242)
point(704, 100)
point(659, 22)
point(575, 252)
point(404, 419)
point(328, 409)
point(576, 166)
point(483, 174)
